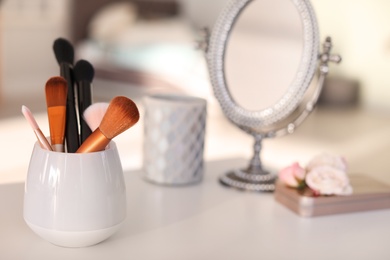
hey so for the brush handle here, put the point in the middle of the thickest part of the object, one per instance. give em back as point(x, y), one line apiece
point(71, 132)
point(57, 125)
point(58, 147)
point(84, 101)
point(42, 140)
point(97, 141)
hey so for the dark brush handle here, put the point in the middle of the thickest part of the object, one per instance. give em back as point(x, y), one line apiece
point(71, 131)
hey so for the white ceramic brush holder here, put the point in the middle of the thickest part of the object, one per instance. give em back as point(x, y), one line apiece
point(75, 200)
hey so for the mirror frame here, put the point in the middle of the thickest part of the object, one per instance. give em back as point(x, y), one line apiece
point(215, 56)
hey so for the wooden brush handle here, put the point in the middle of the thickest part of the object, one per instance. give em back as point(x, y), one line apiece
point(97, 141)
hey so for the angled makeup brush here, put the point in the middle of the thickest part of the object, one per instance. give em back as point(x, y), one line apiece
point(40, 136)
point(83, 75)
point(93, 115)
point(64, 53)
point(56, 94)
point(122, 113)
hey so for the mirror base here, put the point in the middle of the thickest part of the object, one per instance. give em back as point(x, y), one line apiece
point(249, 181)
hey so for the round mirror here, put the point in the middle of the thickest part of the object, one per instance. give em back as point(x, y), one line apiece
point(262, 56)
point(266, 46)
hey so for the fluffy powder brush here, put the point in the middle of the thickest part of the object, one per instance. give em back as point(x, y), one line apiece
point(122, 113)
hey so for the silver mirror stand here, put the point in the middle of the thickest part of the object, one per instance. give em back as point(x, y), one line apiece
point(255, 177)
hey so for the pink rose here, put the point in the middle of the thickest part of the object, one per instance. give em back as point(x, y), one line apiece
point(328, 180)
point(292, 176)
point(334, 161)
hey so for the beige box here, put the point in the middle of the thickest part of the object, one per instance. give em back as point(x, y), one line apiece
point(368, 194)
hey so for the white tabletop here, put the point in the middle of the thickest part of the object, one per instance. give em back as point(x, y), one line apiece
point(206, 221)
point(209, 221)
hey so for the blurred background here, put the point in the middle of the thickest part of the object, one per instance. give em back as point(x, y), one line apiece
point(140, 46)
point(152, 44)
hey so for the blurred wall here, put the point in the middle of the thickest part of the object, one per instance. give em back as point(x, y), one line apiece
point(28, 29)
point(359, 28)
point(361, 34)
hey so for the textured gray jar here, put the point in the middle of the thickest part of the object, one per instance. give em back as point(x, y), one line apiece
point(174, 133)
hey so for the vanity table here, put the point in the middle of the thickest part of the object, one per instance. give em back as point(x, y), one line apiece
point(205, 221)
point(210, 221)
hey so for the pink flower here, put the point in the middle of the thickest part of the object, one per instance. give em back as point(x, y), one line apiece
point(334, 161)
point(328, 180)
point(292, 176)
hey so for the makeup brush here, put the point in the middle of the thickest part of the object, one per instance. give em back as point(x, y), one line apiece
point(64, 53)
point(122, 113)
point(56, 94)
point(83, 74)
point(93, 115)
point(40, 136)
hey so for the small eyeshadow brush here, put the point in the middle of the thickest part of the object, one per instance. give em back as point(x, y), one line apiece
point(56, 94)
point(34, 125)
point(122, 113)
point(64, 54)
point(83, 74)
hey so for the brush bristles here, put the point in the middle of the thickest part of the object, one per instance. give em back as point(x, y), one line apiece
point(56, 92)
point(93, 115)
point(122, 113)
point(63, 51)
point(83, 71)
